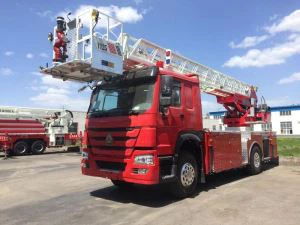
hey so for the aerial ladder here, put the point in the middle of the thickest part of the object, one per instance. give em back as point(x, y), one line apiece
point(94, 47)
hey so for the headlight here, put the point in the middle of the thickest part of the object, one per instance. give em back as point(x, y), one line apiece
point(85, 155)
point(144, 159)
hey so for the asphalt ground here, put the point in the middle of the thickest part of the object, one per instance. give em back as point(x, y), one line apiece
point(49, 189)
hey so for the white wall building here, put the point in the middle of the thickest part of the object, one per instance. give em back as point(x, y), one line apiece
point(285, 120)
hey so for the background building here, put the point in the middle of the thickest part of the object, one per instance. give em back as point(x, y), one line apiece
point(285, 120)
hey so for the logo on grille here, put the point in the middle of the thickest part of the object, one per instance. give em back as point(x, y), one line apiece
point(109, 140)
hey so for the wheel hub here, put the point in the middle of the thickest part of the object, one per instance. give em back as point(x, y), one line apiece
point(187, 174)
point(256, 160)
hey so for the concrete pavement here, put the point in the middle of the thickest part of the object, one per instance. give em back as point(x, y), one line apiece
point(49, 189)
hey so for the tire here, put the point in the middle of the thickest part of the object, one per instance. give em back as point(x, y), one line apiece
point(20, 148)
point(38, 147)
point(255, 166)
point(121, 184)
point(187, 176)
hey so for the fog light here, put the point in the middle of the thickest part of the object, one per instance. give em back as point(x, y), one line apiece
point(140, 171)
point(144, 159)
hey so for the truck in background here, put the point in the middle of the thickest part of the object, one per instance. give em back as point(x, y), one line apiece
point(24, 130)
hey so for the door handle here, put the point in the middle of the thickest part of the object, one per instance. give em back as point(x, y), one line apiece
point(181, 116)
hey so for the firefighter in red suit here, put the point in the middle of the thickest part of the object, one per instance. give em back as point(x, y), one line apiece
point(60, 45)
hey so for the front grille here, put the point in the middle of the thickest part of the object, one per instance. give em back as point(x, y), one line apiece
point(104, 147)
point(116, 166)
point(112, 129)
point(114, 138)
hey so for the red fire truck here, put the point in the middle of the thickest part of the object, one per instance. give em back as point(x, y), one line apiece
point(25, 130)
point(145, 125)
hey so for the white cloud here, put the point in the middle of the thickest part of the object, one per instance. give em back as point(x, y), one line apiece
point(127, 14)
point(274, 55)
point(124, 14)
point(4, 71)
point(293, 36)
point(44, 55)
point(57, 98)
point(268, 56)
point(290, 79)
point(57, 93)
point(48, 81)
point(9, 53)
point(29, 55)
point(45, 13)
point(54, 82)
point(249, 41)
point(289, 23)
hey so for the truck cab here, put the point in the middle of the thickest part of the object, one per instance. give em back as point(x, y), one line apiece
point(135, 124)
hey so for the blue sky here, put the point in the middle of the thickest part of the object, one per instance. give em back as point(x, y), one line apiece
point(257, 42)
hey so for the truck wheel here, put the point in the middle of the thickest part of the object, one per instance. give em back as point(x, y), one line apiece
point(38, 147)
point(20, 148)
point(255, 161)
point(121, 184)
point(187, 176)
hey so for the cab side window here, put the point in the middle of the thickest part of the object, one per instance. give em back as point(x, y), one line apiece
point(176, 93)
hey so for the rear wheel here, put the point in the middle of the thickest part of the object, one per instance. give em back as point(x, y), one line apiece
point(38, 147)
point(121, 184)
point(255, 166)
point(20, 148)
point(187, 176)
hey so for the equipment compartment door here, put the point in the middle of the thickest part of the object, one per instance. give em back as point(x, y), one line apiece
point(227, 150)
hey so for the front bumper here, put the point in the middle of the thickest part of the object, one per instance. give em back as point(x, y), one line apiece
point(125, 168)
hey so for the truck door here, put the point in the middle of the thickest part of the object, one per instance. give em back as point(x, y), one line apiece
point(171, 123)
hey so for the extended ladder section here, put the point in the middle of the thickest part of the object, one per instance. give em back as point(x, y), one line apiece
point(93, 45)
point(141, 51)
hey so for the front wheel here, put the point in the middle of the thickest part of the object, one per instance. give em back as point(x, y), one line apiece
point(187, 176)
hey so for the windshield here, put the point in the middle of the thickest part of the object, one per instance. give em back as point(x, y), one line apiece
point(121, 99)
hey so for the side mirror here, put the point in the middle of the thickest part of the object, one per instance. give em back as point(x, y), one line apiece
point(166, 90)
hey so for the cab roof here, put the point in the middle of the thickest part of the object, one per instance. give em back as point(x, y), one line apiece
point(193, 78)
